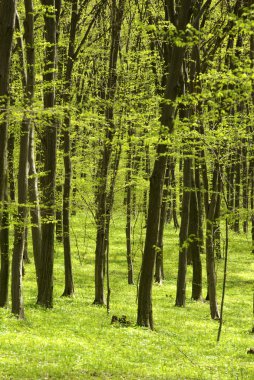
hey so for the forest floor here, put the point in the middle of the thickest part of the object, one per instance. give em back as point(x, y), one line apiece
point(76, 340)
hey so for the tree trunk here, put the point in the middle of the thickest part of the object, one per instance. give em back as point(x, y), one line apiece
point(184, 234)
point(145, 313)
point(7, 20)
point(35, 208)
point(104, 162)
point(4, 249)
point(159, 267)
point(45, 292)
point(69, 283)
point(33, 192)
point(194, 233)
point(237, 190)
point(21, 219)
point(11, 145)
point(210, 265)
point(129, 209)
point(245, 184)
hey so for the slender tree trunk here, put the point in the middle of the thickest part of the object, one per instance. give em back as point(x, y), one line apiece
point(45, 292)
point(33, 192)
point(174, 197)
point(147, 175)
point(194, 232)
point(35, 208)
point(4, 249)
point(7, 20)
point(21, 219)
point(245, 185)
point(159, 267)
point(109, 206)
point(184, 232)
point(251, 165)
point(69, 283)
point(59, 213)
point(104, 162)
point(210, 264)
point(216, 227)
point(145, 313)
point(129, 208)
point(237, 190)
point(11, 145)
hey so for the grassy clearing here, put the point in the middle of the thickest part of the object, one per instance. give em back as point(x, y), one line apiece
point(75, 340)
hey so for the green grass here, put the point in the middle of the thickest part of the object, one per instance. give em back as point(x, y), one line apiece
point(75, 339)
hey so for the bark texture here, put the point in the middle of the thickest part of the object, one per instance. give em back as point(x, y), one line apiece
point(145, 313)
point(45, 292)
point(7, 21)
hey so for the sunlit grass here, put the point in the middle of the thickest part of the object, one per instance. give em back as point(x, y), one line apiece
point(75, 339)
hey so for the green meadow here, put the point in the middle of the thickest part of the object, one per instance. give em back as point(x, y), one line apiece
point(76, 340)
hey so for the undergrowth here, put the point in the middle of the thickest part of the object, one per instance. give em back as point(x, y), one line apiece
point(76, 340)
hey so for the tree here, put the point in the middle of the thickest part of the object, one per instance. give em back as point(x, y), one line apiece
point(104, 161)
point(7, 22)
point(145, 317)
point(45, 291)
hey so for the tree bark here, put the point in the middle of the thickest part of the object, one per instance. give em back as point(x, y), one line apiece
point(159, 263)
point(129, 208)
point(210, 265)
point(4, 248)
point(69, 283)
point(145, 313)
point(194, 232)
point(7, 21)
point(184, 234)
point(45, 291)
point(104, 162)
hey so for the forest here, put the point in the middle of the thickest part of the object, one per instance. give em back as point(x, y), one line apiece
point(126, 189)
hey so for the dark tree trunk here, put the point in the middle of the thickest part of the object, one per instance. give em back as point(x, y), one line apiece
point(159, 265)
point(11, 145)
point(35, 214)
point(104, 162)
point(7, 20)
point(210, 264)
point(251, 166)
point(21, 219)
point(21, 216)
point(145, 316)
point(184, 234)
point(245, 185)
point(237, 190)
point(69, 283)
point(26, 259)
point(147, 175)
point(174, 197)
point(216, 226)
point(145, 313)
point(45, 293)
point(109, 206)
point(194, 233)
point(129, 208)
point(4, 249)
point(33, 193)
point(59, 213)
